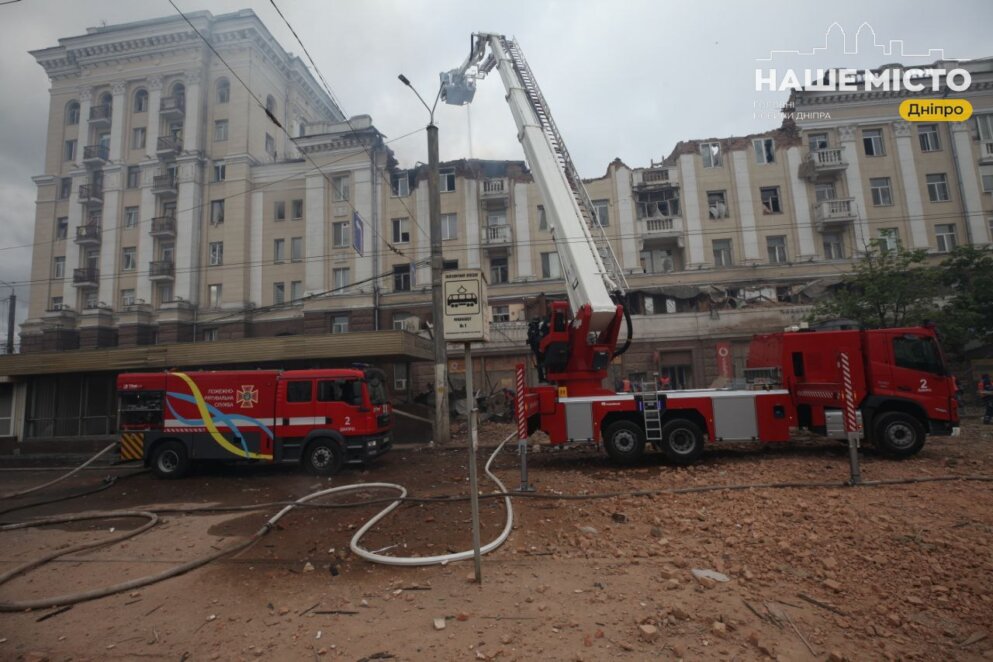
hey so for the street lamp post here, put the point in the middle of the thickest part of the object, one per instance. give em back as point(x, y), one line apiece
point(11, 314)
point(441, 423)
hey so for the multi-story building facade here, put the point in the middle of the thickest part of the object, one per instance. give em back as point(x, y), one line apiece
point(175, 213)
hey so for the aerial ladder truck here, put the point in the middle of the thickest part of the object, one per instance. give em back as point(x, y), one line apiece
point(892, 382)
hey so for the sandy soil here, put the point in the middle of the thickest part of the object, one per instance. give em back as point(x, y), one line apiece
point(896, 572)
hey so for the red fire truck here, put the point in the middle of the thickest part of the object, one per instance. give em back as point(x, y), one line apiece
point(892, 383)
point(320, 418)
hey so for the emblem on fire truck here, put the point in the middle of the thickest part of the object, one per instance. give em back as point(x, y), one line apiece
point(248, 397)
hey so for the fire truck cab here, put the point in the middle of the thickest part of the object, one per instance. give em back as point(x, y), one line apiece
point(320, 418)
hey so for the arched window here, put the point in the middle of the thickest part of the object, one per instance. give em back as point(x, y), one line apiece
point(178, 90)
point(270, 104)
point(72, 112)
point(106, 100)
point(223, 90)
point(141, 101)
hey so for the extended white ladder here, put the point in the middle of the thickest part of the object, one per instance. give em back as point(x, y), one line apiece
point(652, 415)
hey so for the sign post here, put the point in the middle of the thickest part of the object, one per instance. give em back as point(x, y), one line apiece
point(851, 419)
point(464, 298)
point(522, 428)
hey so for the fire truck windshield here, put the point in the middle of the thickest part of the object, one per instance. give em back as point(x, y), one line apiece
point(918, 353)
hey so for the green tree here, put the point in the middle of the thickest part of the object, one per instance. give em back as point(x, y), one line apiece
point(887, 288)
point(967, 313)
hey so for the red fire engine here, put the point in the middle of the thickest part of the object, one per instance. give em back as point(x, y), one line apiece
point(320, 418)
point(892, 383)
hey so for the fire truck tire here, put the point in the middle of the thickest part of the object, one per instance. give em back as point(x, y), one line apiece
point(323, 457)
point(170, 459)
point(898, 434)
point(682, 441)
point(624, 441)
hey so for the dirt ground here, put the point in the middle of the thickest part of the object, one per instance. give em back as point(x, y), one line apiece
point(895, 572)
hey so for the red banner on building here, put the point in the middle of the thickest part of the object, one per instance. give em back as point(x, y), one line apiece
point(725, 367)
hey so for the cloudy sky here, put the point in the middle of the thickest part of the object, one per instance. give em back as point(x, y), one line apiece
point(624, 78)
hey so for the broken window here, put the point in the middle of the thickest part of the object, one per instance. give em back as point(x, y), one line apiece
point(834, 249)
point(717, 204)
point(722, 253)
point(401, 185)
point(770, 200)
point(872, 142)
point(664, 202)
point(765, 150)
point(776, 247)
point(711, 153)
point(817, 141)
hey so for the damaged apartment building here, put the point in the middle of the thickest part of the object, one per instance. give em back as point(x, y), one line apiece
point(176, 227)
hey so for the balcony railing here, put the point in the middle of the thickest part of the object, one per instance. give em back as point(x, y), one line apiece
point(86, 277)
point(167, 146)
point(161, 270)
point(163, 226)
point(828, 160)
point(97, 154)
point(498, 235)
point(833, 211)
point(88, 234)
point(172, 106)
point(100, 115)
point(664, 226)
point(494, 188)
point(90, 194)
point(164, 185)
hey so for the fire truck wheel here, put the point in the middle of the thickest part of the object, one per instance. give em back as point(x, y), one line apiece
point(170, 460)
point(624, 441)
point(682, 441)
point(324, 457)
point(899, 434)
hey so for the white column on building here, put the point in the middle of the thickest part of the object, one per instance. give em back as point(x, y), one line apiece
point(972, 202)
point(363, 205)
point(853, 179)
point(314, 279)
point(146, 242)
point(188, 230)
point(110, 221)
point(85, 103)
point(691, 212)
point(625, 220)
point(255, 249)
point(801, 206)
point(420, 236)
point(120, 104)
point(73, 252)
point(911, 184)
point(522, 231)
point(192, 137)
point(746, 207)
point(154, 102)
point(472, 223)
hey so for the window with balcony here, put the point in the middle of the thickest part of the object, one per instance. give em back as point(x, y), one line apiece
point(711, 154)
point(927, 135)
point(278, 293)
point(215, 253)
point(55, 304)
point(664, 202)
point(937, 188)
point(401, 230)
point(164, 293)
point(69, 151)
point(296, 209)
point(657, 261)
point(500, 313)
point(945, 234)
point(770, 200)
point(134, 176)
point(296, 249)
point(776, 248)
point(223, 90)
point(65, 188)
point(339, 188)
point(340, 236)
point(722, 253)
point(215, 292)
point(91, 301)
point(817, 141)
point(717, 205)
point(400, 185)
point(278, 250)
point(602, 208)
point(220, 131)
point(62, 227)
point(141, 101)
point(138, 137)
point(401, 278)
point(296, 290)
point(550, 267)
point(127, 297)
point(279, 210)
point(872, 142)
point(834, 247)
point(542, 218)
point(499, 270)
point(72, 113)
point(882, 194)
point(449, 227)
point(765, 150)
point(220, 171)
point(889, 239)
point(129, 258)
point(824, 192)
point(446, 180)
point(131, 217)
point(216, 212)
point(60, 267)
point(339, 324)
point(340, 278)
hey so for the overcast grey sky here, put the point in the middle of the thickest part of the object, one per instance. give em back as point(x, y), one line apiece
point(624, 78)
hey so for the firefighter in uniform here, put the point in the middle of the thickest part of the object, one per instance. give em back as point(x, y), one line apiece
point(986, 395)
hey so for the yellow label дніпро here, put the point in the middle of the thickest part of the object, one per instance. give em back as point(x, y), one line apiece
point(936, 110)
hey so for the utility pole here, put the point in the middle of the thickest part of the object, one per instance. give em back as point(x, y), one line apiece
point(11, 313)
point(442, 433)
